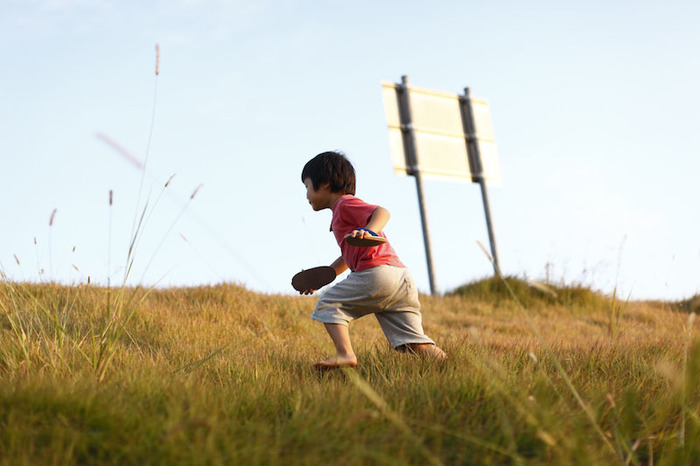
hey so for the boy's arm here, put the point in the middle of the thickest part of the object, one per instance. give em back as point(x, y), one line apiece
point(377, 222)
point(339, 265)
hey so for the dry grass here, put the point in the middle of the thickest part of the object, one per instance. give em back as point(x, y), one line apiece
point(221, 375)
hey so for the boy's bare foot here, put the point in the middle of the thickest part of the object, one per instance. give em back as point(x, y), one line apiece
point(336, 362)
point(426, 350)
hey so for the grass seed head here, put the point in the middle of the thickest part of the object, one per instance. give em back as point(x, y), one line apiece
point(157, 59)
point(195, 191)
point(53, 215)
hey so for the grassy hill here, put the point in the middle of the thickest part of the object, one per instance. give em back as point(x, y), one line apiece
point(222, 375)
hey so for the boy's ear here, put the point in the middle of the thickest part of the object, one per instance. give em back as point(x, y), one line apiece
point(324, 186)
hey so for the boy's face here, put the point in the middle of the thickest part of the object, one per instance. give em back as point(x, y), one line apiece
point(319, 199)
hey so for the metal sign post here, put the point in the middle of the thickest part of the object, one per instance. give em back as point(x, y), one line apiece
point(412, 165)
point(478, 169)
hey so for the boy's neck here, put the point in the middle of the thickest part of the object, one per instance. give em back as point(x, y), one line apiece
point(334, 198)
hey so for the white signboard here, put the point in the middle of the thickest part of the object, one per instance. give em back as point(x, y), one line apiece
point(438, 133)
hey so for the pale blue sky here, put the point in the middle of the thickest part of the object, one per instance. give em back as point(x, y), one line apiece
point(594, 108)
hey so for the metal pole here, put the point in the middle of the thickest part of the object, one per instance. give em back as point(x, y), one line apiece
point(477, 168)
point(489, 225)
point(412, 163)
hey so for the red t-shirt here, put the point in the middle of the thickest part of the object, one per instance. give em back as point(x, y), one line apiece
point(351, 213)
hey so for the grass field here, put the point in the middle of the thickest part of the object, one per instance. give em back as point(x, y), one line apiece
point(222, 375)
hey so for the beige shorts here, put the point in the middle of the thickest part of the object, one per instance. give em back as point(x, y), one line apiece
point(386, 291)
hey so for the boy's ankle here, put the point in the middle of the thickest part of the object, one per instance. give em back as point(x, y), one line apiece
point(346, 357)
point(423, 349)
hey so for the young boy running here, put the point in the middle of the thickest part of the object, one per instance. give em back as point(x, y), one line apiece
point(378, 284)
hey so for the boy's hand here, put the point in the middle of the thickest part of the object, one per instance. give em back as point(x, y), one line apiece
point(364, 237)
point(358, 234)
point(361, 233)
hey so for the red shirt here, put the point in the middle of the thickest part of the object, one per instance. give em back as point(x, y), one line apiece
point(351, 213)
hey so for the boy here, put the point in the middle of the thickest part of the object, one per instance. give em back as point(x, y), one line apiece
point(379, 283)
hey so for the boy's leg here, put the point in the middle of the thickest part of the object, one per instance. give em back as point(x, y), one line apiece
point(402, 324)
point(346, 301)
point(344, 354)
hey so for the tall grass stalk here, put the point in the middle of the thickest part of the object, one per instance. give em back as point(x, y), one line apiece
point(39, 270)
point(150, 137)
point(122, 308)
point(684, 380)
point(53, 215)
point(109, 246)
point(171, 227)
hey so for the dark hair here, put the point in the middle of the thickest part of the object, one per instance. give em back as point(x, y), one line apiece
point(332, 168)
